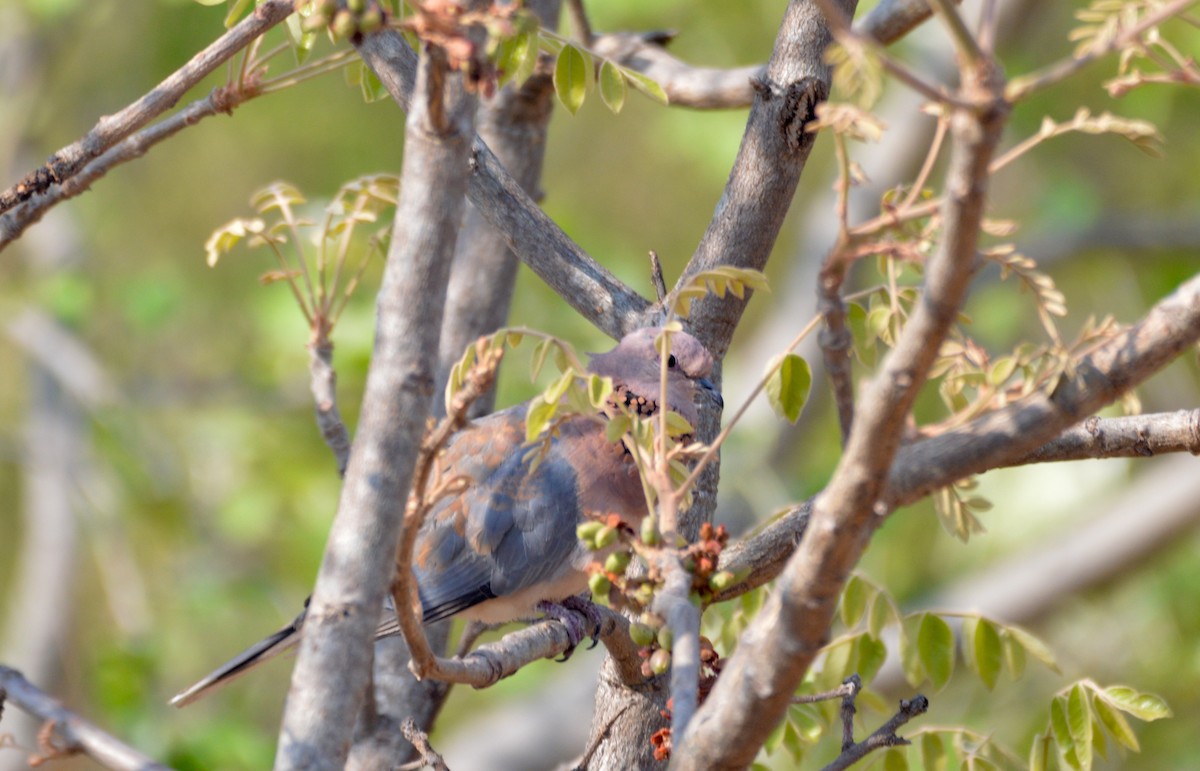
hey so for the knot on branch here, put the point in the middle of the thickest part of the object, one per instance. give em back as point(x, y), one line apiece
point(798, 107)
point(34, 183)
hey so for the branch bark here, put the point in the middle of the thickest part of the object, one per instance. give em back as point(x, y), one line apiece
point(111, 129)
point(758, 680)
point(538, 241)
point(332, 671)
point(715, 88)
point(75, 733)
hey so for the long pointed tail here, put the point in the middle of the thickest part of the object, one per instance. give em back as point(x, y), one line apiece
point(263, 650)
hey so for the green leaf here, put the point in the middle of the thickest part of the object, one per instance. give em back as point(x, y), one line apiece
point(677, 425)
point(228, 235)
point(237, 9)
point(986, 651)
point(646, 85)
point(616, 428)
point(1116, 724)
point(1014, 654)
point(527, 49)
point(787, 388)
point(910, 658)
point(372, 86)
point(1039, 754)
point(571, 75)
point(935, 644)
point(599, 390)
point(883, 610)
point(1079, 722)
point(538, 359)
point(1143, 706)
point(838, 663)
point(1062, 733)
point(854, 601)
point(895, 759)
point(538, 417)
point(612, 86)
point(1033, 646)
point(870, 653)
point(933, 752)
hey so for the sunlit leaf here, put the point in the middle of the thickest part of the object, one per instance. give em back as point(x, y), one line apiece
point(933, 752)
point(935, 643)
point(1116, 724)
point(571, 75)
point(646, 85)
point(854, 600)
point(1079, 722)
point(788, 386)
point(612, 86)
point(1143, 706)
point(985, 644)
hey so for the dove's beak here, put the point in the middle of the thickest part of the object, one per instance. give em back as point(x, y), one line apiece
point(707, 385)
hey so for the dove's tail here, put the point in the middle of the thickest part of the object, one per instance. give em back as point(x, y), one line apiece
point(263, 650)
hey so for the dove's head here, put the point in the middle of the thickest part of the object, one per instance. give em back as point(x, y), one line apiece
point(634, 368)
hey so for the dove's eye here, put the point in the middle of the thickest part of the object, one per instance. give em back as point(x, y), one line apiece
point(671, 361)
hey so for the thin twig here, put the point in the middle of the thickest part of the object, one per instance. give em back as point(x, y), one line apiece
point(478, 381)
point(579, 18)
point(968, 47)
point(1047, 76)
point(111, 129)
point(323, 384)
point(835, 339)
point(884, 736)
point(854, 685)
point(656, 276)
point(846, 688)
point(67, 733)
point(420, 740)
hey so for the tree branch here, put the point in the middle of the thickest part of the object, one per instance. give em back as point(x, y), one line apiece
point(769, 162)
point(75, 734)
point(537, 240)
point(715, 88)
point(758, 680)
point(1002, 437)
point(884, 736)
point(111, 129)
point(222, 100)
point(359, 558)
point(1135, 436)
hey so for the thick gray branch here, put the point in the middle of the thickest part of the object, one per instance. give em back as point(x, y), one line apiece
point(1134, 436)
point(769, 162)
point(756, 685)
point(332, 671)
point(540, 243)
point(75, 733)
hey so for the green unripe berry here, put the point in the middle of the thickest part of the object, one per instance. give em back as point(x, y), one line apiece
point(371, 21)
point(599, 584)
point(666, 638)
point(607, 536)
point(617, 562)
point(660, 662)
point(650, 534)
point(721, 581)
point(586, 532)
point(356, 6)
point(343, 25)
point(641, 634)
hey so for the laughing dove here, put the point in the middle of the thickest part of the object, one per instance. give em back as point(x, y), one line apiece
point(506, 546)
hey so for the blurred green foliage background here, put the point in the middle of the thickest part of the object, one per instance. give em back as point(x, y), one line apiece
point(210, 492)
